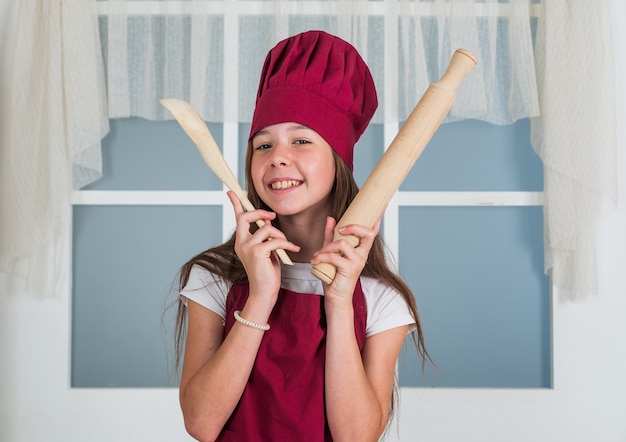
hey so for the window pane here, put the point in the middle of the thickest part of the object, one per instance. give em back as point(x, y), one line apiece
point(139, 154)
point(474, 155)
point(477, 275)
point(125, 263)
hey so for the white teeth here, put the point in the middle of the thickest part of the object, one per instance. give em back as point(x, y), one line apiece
point(277, 185)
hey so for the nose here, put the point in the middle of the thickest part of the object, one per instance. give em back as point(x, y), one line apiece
point(280, 155)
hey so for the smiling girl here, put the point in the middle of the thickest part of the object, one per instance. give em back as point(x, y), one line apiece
point(271, 353)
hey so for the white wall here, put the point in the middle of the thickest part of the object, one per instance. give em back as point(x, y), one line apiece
point(588, 402)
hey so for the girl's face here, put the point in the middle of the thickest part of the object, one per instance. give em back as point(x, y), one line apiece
point(293, 169)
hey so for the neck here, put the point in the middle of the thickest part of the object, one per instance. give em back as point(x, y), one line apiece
point(306, 233)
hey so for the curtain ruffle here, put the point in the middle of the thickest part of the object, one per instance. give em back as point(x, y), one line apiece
point(182, 53)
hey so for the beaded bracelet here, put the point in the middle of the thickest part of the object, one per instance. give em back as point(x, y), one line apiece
point(264, 327)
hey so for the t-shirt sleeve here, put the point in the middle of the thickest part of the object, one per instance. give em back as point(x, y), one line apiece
point(206, 289)
point(386, 308)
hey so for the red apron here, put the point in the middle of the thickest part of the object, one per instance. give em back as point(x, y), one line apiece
point(284, 398)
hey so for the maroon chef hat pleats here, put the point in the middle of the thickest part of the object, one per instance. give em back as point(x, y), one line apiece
point(320, 81)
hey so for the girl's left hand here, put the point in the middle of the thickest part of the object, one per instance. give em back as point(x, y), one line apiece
point(348, 260)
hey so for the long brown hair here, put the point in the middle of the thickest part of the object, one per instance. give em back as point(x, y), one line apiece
point(223, 262)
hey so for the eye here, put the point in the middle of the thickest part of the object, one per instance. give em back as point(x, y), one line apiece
point(301, 141)
point(262, 146)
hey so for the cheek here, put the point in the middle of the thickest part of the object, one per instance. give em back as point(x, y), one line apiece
point(326, 169)
point(321, 175)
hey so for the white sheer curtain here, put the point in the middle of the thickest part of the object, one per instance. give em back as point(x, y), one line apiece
point(180, 51)
point(54, 116)
point(575, 136)
point(211, 52)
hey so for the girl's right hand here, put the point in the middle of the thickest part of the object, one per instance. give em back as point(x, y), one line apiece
point(255, 249)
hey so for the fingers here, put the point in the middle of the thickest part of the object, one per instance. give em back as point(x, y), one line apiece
point(342, 253)
point(247, 240)
point(262, 215)
point(234, 200)
point(348, 259)
point(248, 217)
point(358, 237)
point(329, 230)
point(365, 235)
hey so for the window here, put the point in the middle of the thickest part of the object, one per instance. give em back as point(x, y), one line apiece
point(466, 226)
point(468, 216)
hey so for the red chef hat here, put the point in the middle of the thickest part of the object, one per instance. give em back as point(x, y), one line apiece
point(321, 81)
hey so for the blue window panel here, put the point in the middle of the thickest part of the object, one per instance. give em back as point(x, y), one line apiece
point(484, 300)
point(140, 154)
point(125, 264)
point(486, 259)
point(472, 155)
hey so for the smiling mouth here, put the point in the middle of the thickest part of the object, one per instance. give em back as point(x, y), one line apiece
point(279, 185)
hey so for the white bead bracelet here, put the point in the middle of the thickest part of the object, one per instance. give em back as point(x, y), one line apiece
point(264, 327)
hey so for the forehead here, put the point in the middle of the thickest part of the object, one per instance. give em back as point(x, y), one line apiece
point(290, 126)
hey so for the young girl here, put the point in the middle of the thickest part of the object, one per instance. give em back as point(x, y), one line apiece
point(271, 353)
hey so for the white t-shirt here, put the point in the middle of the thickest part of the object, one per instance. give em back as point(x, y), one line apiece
point(386, 308)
